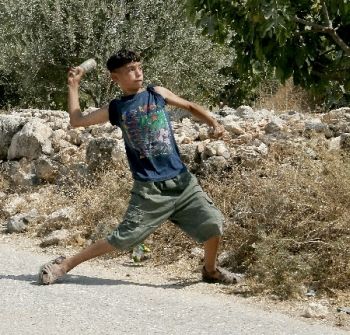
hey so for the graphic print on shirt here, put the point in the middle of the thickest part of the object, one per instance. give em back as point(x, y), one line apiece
point(148, 130)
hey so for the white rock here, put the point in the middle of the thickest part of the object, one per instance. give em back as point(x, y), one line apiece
point(209, 150)
point(32, 141)
point(187, 128)
point(118, 154)
point(117, 134)
point(315, 310)
point(291, 116)
point(233, 128)
point(274, 127)
point(197, 252)
point(214, 163)
point(188, 152)
point(74, 136)
point(245, 112)
point(57, 237)
point(203, 133)
point(66, 155)
point(315, 125)
point(59, 134)
point(20, 173)
point(223, 258)
point(18, 223)
point(225, 111)
point(60, 216)
point(200, 147)
point(262, 149)
point(45, 169)
point(9, 126)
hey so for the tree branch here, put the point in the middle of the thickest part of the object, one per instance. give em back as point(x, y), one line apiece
point(326, 15)
point(325, 30)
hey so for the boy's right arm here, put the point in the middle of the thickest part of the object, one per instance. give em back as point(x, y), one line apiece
point(77, 119)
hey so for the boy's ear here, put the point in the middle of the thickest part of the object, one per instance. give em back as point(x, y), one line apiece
point(114, 76)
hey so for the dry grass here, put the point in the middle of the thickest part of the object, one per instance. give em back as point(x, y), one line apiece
point(280, 98)
point(287, 218)
point(288, 222)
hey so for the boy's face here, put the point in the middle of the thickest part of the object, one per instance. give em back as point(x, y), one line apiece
point(129, 77)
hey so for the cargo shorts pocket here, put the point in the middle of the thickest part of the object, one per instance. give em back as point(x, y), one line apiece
point(133, 217)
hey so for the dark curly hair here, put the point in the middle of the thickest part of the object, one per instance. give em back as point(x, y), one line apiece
point(121, 58)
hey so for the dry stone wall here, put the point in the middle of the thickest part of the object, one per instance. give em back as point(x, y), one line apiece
point(39, 147)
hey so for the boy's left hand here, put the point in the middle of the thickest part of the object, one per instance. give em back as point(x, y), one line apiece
point(218, 131)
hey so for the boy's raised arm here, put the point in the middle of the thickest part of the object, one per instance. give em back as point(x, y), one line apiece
point(195, 109)
point(77, 119)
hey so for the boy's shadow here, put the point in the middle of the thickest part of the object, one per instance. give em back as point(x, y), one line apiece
point(85, 280)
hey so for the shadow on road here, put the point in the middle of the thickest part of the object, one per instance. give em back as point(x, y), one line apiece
point(85, 280)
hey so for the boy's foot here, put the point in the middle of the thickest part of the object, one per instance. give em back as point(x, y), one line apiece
point(220, 275)
point(51, 271)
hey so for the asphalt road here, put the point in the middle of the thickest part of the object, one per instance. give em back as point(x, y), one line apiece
point(97, 300)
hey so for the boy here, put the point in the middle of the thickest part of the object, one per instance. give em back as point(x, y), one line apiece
point(163, 188)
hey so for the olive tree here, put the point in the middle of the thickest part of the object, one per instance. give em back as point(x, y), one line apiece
point(42, 39)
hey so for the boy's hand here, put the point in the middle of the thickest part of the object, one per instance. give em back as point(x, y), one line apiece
point(74, 76)
point(219, 131)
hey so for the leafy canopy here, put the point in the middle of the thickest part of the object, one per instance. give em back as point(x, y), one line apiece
point(41, 39)
point(307, 40)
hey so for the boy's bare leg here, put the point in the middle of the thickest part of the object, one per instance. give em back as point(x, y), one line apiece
point(98, 248)
point(212, 274)
point(210, 253)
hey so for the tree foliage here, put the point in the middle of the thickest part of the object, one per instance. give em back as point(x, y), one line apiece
point(42, 39)
point(306, 40)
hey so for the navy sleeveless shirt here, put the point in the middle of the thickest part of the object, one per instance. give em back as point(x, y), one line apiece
point(148, 136)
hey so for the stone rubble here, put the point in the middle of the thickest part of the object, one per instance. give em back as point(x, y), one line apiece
point(39, 147)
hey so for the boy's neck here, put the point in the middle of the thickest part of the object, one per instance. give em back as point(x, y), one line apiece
point(127, 92)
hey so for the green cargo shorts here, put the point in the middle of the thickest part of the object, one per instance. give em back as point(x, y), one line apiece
point(180, 200)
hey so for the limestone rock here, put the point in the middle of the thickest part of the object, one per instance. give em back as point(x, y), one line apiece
point(46, 169)
point(31, 141)
point(203, 133)
point(291, 116)
point(9, 126)
point(334, 143)
point(245, 112)
point(60, 216)
point(188, 152)
point(315, 310)
point(226, 111)
point(188, 129)
point(74, 136)
point(315, 125)
point(216, 148)
point(214, 163)
point(57, 237)
point(233, 128)
point(18, 223)
point(20, 173)
point(338, 120)
point(274, 126)
point(99, 152)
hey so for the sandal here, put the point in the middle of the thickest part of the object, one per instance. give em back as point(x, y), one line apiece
point(220, 276)
point(50, 272)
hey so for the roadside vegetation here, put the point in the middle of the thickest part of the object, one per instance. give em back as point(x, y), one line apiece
point(287, 217)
